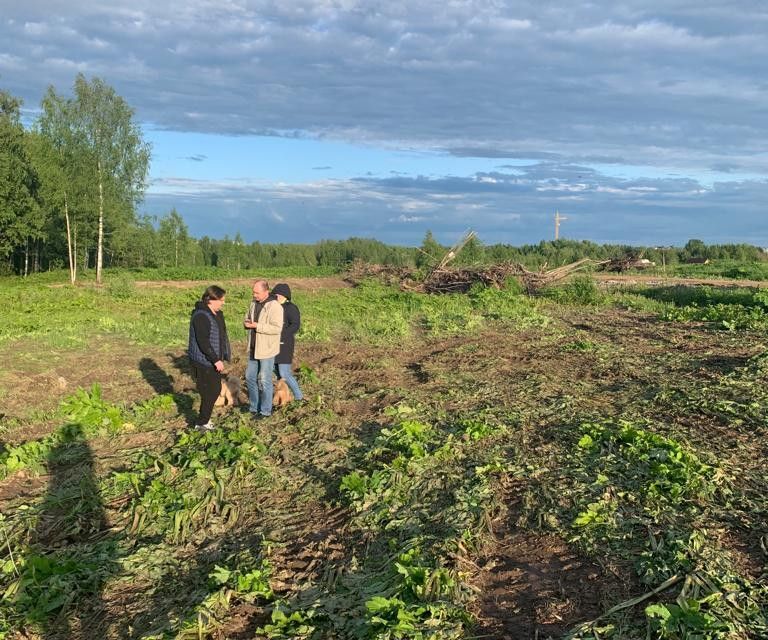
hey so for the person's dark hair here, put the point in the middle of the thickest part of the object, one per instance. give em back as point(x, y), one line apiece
point(213, 293)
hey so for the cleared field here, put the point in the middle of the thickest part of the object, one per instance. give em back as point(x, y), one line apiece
point(585, 465)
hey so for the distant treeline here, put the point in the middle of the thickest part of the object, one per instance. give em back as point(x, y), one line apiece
point(149, 243)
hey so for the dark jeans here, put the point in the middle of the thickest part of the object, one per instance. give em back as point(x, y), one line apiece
point(209, 387)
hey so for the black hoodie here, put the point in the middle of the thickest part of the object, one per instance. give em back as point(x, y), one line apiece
point(291, 325)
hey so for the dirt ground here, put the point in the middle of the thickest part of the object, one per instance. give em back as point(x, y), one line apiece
point(661, 281)
point(530, 585)
point(306, 284)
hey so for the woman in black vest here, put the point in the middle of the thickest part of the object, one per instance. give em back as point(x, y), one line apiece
point(291, 325)
point(208, 349)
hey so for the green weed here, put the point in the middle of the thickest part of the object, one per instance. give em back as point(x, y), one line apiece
point(579, 290)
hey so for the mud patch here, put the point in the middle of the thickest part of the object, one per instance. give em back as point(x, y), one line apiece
point(534, 586)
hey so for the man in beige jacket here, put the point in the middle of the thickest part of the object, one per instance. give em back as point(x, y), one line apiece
point(264, 322)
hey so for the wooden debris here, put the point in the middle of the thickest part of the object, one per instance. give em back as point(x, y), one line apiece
point(461, 279)
point(452, 252)
point(618, 265)
point(391, 275)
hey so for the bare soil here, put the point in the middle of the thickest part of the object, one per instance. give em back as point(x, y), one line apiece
point(661, 281)
point(305, 284)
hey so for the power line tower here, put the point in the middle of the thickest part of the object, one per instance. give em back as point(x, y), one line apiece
point(558, 220)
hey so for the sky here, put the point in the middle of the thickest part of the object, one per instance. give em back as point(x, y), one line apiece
point(641, 122)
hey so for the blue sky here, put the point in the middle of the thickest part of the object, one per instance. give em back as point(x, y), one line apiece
point(643, 122)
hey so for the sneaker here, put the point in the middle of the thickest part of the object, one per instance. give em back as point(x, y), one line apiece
point(260, 416)
point(203, 428)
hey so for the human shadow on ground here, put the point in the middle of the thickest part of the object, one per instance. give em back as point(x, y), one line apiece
point(72, 551)
point(185, 585)
point(162, 383)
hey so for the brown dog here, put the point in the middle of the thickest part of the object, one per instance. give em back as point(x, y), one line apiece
point(230, 392)
point(282, 395)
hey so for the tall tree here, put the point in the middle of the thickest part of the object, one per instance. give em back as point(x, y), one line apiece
point(102, 123)
point(430, 251)
point(68, 167)
point(174, 237)
point(20, 219)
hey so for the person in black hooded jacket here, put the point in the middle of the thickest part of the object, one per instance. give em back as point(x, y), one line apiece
point(291, 325)
point(208, 348)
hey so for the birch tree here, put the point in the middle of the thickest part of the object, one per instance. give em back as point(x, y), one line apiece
point(103, 128)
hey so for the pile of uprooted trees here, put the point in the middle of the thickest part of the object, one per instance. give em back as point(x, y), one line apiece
point(445, 279)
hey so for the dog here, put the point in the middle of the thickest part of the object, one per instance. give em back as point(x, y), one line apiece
point(230, 392)
point(282, 395)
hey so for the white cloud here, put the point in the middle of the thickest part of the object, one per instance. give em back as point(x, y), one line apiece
point(35, 29)
point(404, 218)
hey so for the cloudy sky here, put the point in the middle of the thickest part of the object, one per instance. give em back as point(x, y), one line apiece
point(642, 122)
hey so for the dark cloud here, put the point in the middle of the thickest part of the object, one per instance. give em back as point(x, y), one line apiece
point(632, 80)
point(564, 87)
point(324, 168)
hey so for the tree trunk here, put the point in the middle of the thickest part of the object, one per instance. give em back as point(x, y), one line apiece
point(100, 245)
point(26, 258)
point(72, 266)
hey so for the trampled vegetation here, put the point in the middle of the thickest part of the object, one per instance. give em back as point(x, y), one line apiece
point(585, 464)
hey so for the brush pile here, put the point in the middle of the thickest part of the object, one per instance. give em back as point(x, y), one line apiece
point(358, 271)
point(619, 265)
point(444, 279)
point(461, 280)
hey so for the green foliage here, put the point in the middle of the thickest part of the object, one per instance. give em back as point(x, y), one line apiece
point(180, 491)
point(45, 583)
point(730, 317)
point(580, 289)
point(421, 602)
point(378, 314)
point(282, 625)
point(678, 622)
point(307, 374)
point(430, 252)
point(582, 346)
point(20, 214)
point(121, 287)
point(420, 493)
point(371, 313)
point(403, 491)
point(249, 583)
point(666, 472)
point(87, 414)
point(636, 494)
point(711, 605)
point(29, 455)
point(91, 412)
